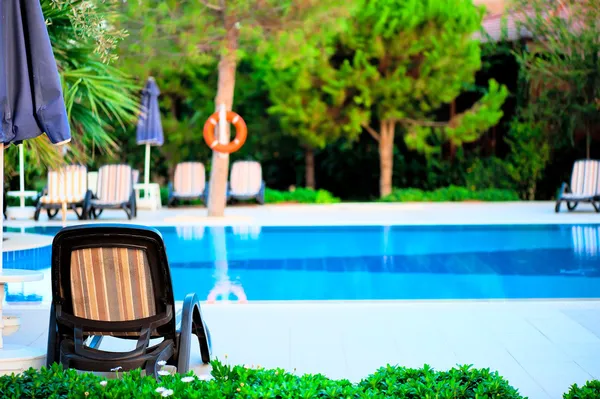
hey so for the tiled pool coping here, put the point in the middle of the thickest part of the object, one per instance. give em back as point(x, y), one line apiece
point(455, 213)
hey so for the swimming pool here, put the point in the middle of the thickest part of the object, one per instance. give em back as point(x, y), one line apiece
point(379, 262)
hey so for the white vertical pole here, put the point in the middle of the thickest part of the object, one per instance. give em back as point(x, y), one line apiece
point(22, 174)
point(147, 171)
point(1, 217)
point(222, 127)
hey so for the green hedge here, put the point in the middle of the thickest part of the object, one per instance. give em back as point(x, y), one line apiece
point(388, 382)
point(452, 193)
point(300, 196)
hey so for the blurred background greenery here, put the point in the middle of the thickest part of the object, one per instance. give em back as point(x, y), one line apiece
point(466, 114)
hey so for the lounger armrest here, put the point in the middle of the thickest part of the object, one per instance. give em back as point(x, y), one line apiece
point(564, 189)
point(192, 323)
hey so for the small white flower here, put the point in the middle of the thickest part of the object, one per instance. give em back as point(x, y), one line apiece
point(163, 372)
point(160, 389)
point(103, 383)
point(117, 368)
point(188, 379)
point(166, 393)
point(161, 363)
point(205, 377)
point(247, 366)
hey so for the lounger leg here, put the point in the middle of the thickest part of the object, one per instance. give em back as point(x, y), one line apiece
point(86, 206)
point(50, 213)
point(596, 206)
point(192, 323)
point(53, 351)
point(572, 205)
point(261, 195)
point(128, 212)
point(79, 214)
point(557, 207)
point(38, 208)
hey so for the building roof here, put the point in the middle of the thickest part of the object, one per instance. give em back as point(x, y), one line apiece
point(494, 24)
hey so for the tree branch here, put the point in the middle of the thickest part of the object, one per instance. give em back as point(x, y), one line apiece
point(372, 132)
point(211, 6)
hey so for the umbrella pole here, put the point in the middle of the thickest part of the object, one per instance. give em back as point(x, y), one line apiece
point(22, 174)
point(147, 171)
point(2, 217)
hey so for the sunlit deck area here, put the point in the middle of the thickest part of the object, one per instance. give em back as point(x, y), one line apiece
point(540, 346)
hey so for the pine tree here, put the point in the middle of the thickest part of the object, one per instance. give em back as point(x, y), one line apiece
point(409, 59)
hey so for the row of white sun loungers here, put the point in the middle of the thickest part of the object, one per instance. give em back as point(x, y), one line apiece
point(113, 188)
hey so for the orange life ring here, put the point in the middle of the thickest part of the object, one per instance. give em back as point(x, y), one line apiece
point(241, 132)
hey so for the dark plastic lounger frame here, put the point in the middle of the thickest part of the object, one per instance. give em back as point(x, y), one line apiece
point(130, 207)
point(173, 199)
point(573, 202)
point(53, 208)
point(259, 196)
point(67, 333)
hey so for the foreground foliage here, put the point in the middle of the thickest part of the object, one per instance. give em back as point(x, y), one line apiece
point(589, 390)
point(452, 193)
point(241, 382)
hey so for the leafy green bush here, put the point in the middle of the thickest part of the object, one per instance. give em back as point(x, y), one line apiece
point(241, 382)
point(591, 390)
point(530, 153)
point(490, 172)
point(451, 193)
point(301, 196)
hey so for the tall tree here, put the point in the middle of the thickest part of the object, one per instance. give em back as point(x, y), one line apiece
point(562, 64)
point(310, 98)
point(410, 59)
point(225, 29)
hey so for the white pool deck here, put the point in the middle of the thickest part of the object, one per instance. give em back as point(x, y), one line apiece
point(541, 347)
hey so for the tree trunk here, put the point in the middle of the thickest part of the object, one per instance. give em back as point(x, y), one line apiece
point(588, 143)
point(531, 191)
point(217, 194)
point(309, 160)
point(452, 115)
point(386, 157)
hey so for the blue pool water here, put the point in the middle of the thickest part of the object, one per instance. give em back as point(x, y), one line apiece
point(377, 262)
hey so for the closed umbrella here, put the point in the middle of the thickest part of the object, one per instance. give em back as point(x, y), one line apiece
point(149, 127)
point(31, 99)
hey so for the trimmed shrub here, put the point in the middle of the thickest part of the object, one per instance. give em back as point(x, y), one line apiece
point(241, 382)
point(300, 196)
point(591, 390)
point(451, 193)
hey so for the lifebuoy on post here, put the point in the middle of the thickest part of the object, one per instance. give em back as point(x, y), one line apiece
point(241, 132)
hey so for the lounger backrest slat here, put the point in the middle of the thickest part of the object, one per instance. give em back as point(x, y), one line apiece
point(68, 183)
point(246, 178)
point(190, 178)
point(111, 284)
point(115, 184)
point(585, 179)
